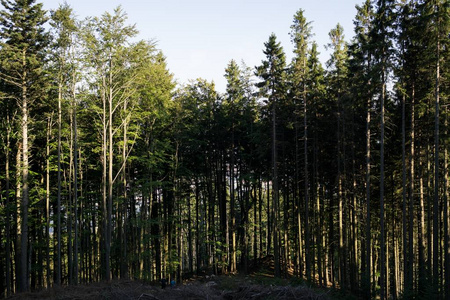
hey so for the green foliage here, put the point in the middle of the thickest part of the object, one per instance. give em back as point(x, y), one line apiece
point(192, 184)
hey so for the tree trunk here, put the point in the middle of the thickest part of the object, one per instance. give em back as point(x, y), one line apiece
point(124, 252)
point(382, 229)
point(305, 139)
point(110, 174)
point(436, 179)
point(58, 209)
point(105, 255)
point(404, 222)
point(18, 216)
point(47, 202)
point(368, 267)
point(75, 185)
point(275, 194)
point(409, 260)
point(8, 208)
point(446, 217)
point(24, 201)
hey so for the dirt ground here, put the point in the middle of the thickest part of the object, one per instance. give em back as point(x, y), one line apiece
point(206, 287)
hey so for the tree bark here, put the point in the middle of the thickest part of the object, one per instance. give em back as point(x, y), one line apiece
point(8, 208)
point(25, 170)
point(275, 228)
point(436, 215)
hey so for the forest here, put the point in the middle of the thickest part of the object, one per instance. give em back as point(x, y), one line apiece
point(337, 173)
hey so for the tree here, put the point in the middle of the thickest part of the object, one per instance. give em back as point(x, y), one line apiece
point(235, 95)
point(106, 40)
point(316, 94)
point(382, 38)
point(300, 35)
point(336, 82)
point(360, 65)
point(272, 74)
point(23, 43)
point(64, 26)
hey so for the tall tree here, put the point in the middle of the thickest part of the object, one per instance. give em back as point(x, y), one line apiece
point(271, 87)
point(300, 35)
point(106, 40)
point(382, 39)
point(316, 94)
point(64, 26)
point(360, 66)
point(336, 80)
point(24, 42)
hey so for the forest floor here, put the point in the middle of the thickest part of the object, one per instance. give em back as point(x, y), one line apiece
point(260, 284)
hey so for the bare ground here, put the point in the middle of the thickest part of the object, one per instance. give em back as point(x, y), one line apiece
point(214, 287)
point(259, 285)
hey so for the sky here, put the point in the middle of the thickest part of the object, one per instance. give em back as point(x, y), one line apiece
point(200, 37)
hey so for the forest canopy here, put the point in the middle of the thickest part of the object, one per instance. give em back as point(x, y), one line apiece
point(337, 173)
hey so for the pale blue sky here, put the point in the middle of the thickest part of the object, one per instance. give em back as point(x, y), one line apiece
point(200, 37)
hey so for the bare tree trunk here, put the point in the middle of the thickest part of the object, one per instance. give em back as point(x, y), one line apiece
point(47, 202)
point(58, 266)
point(275, 228)
point(110, 172)
point(436, 179)
point(354, 270)
point(197, 226)
point(409, 260)
point(75, 185)
point(255, 224)
point(368, 217)
point(382, 227)
point(404, 222)
point(341, 251)
point(8, 212)
point(446, 217)
point(305, 140)
point(124, 255)
point(232, 210)
point(24, 201)
point(190, 237)
point(18, 217)
point(104, 187)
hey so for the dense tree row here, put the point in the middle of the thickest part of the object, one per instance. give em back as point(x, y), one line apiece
point(338, 174)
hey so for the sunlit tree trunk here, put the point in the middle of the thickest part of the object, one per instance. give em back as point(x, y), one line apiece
point(9, 210)
point(382, 220)
point(275, 197)
point(47, 202)
point(368, 189)
point(75, 183)
point(436, 215)
point(25, 184)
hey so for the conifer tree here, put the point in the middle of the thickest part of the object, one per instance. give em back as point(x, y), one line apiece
point(271, 87)
point(23, 43)
point(382, 35)
point(337, 91)
point(300, 35)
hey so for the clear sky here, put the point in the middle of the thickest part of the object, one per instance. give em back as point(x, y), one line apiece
point(200, 37)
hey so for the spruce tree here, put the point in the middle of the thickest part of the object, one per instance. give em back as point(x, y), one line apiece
point(382, 39)
point(23, 43)
point(272, 74)
point(300, 35)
